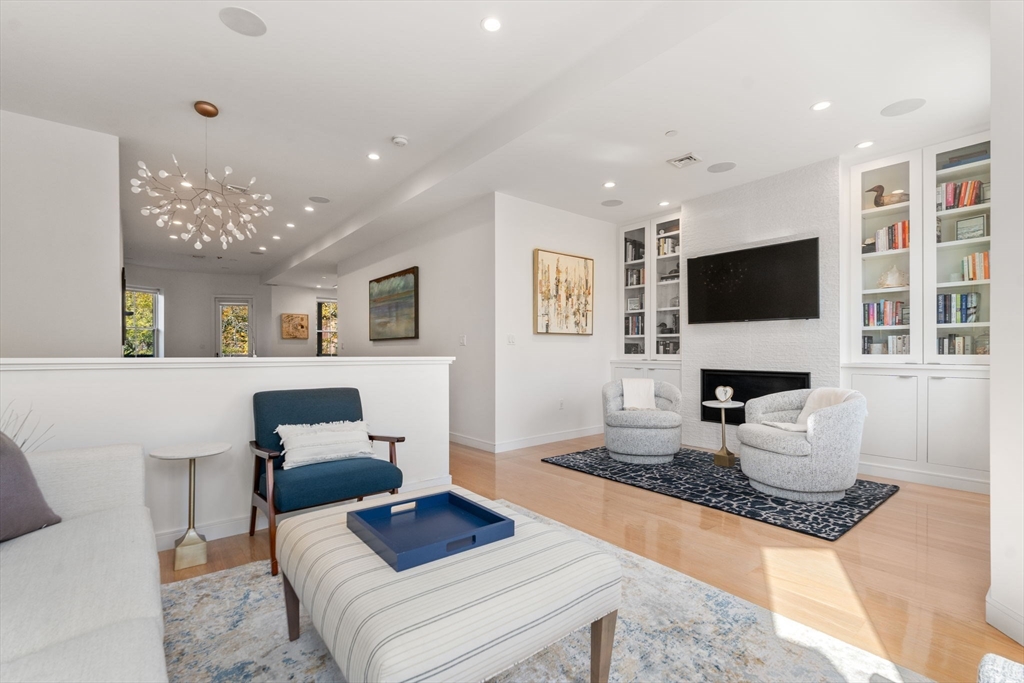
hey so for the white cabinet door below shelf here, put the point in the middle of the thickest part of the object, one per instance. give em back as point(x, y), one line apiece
point(890, 430)
point(620, 371)
point(670, 375)
point(958, 416)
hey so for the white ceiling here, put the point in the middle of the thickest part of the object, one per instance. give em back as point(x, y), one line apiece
point(565, 96)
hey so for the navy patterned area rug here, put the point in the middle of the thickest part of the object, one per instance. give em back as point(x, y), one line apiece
point(692, 476)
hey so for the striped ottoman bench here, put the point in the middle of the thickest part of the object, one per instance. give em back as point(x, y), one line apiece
point(464, 618)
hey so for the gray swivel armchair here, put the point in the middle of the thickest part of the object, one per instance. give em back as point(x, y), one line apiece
point(643, 437)
point(817, 465)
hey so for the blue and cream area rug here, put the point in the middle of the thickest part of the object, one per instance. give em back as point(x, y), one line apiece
point(231, 626)
point(692, 476)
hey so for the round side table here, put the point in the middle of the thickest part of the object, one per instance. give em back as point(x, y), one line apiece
point(190, 549)
point(724, 457)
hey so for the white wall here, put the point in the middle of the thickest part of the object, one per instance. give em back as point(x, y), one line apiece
point(538, 371)
point(455, 256)
point(172, 401)
point(798, 204)
point(189, 320)
point(1005, 603)
point(60, 240)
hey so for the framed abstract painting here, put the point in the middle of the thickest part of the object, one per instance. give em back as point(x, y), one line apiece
point(563, 293)
point(395, 306)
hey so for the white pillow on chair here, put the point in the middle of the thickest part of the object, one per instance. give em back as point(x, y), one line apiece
point(309, 444)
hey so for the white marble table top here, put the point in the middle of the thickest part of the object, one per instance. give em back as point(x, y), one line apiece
point(186, 451)
point(723, 404)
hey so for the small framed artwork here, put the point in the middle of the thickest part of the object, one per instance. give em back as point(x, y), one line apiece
point(395, 306)
point(563, 293)
point(970, 228)
point(634, 304)
point(294, 326)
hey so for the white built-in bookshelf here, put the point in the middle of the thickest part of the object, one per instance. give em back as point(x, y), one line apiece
point(650, 271)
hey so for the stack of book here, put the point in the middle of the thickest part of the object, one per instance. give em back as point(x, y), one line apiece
point(634, 250)
point(886, 313)
point(634, 324)
point(957, 308)
point(975, 266)
point(966, 158)
point(667, 246)
point(895, 236)
point(954, 345)
point(636, 276)
point(895, 344)
point(955, 195)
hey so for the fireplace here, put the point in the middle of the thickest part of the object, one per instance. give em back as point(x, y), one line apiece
point(746, 385)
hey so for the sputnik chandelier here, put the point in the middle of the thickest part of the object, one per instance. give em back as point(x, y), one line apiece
point(214, 209)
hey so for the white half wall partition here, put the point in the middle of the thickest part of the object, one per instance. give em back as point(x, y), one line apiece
point(160, 402)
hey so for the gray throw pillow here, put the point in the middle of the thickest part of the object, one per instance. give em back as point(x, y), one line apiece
point(22, 506)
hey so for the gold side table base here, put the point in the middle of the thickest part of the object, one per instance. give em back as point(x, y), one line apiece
point(725, 458)
point(189, 550)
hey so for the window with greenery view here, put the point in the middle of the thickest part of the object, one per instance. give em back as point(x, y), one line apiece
point(234, 329)
point(327, 328)
point(141, 335)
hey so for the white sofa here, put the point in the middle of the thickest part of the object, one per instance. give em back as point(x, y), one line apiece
point(80, 601)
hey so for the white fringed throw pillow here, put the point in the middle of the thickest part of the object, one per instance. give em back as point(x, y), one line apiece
point(308, 444)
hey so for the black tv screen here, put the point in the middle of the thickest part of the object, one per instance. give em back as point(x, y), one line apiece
point(776, 282)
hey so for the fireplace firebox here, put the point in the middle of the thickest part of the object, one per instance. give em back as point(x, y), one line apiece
point(746, 384)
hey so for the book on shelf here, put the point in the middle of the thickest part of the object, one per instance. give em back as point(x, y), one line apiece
point(886, 313)
point(955, 195)
point(634, 250)
point(895, 236)
point(894, 344)
point(975, 266)
point(957, 308)
point(634, 324)
point(667, 246)
point(966, 158)
point(958, 345)
point(636, 276)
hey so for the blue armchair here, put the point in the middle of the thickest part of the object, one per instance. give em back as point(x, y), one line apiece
point(277, 491)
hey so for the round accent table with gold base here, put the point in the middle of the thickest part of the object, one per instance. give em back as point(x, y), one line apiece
point(190, 549)
point(724, 457)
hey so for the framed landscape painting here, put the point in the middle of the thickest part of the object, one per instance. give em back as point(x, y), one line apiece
point(563, 293)
point(395, 306)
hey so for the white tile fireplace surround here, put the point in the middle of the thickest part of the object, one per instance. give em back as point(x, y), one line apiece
point(167, 401)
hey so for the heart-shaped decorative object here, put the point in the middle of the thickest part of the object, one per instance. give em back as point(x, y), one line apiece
point(723, 393)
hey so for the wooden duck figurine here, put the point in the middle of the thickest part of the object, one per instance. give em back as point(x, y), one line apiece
point(882, 199)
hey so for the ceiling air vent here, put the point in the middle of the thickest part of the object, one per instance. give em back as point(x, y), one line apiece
point(685, 160)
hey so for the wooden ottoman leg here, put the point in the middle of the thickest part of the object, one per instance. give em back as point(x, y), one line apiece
point(602, 634)
point(291, 606)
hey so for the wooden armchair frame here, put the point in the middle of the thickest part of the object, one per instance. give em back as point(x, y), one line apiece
point(267, 457)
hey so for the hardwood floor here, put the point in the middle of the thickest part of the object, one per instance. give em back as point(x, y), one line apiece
point(908, 583)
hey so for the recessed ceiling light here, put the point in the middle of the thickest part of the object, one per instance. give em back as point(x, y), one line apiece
point(612, 202)
point(173, 237)
point(323, 277)
point(289, 225)
point(670, 133)
point(721, 167)
point(318, 286)
point(373, 156)
point(903, 107)
point(309, 208)
point(263, 248)
point(319, 200)
point(865, 144)
point(243, 21)
point(491, 24)
point(662, 203)
point(820, 106)
point(276, 237)
point(609, 184)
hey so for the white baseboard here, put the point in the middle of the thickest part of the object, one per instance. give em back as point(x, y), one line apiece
point(240, 525)
point(471, 441)
point(948, 481)
point(547, 438)
point(1004, 618)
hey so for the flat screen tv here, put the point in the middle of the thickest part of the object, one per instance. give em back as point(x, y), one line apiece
point(776, 282)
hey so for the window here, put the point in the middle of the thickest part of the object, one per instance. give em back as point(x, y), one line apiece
point(235, 327)
point(142, 323)
point(327, 328)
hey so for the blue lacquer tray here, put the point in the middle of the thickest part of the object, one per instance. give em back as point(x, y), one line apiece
point(422, 530)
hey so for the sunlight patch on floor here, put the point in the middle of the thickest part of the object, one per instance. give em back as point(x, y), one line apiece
point(808, 587)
